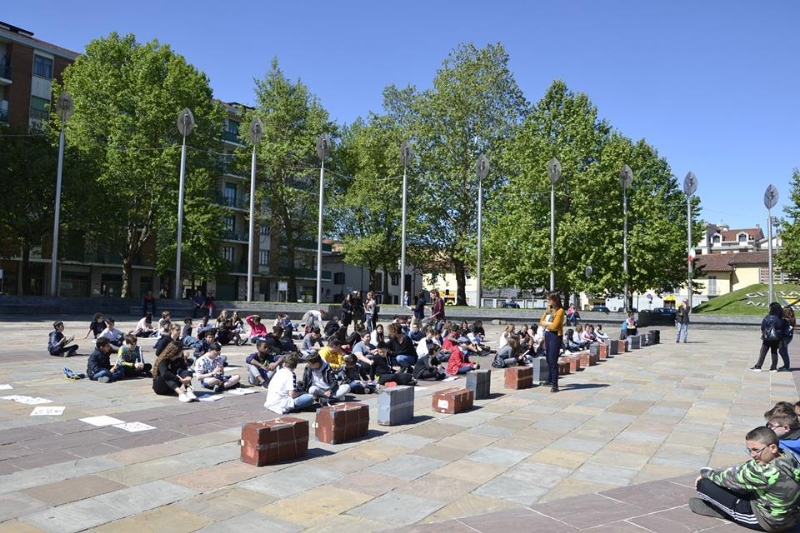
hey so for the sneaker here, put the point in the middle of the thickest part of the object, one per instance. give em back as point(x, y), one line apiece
point(251, 380)
point(784, 369)
point(553, 389)
point(190, 394)
point(265, 384)
point(773, 369)
point(184, 398)
point(218, 388)
point(103, 379)
point(324, 402)
point(756, 369)
point(701, 507)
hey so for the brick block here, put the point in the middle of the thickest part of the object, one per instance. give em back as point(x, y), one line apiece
point(342, 422)
point(452, 401)
point(282, 439)
point(519, 377)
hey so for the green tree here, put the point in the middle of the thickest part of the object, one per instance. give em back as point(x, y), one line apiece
point(473, 108)
point(589, 206)
point(293, 119)
point(789, 258)
point(367, 206)
point(28, 164)
point(127, 98)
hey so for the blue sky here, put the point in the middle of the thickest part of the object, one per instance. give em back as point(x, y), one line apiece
point(712, 85)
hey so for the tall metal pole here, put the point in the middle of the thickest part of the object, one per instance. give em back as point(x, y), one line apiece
point(482, 170)
point(625, 178)
point(689, 188)
point(554, 173)
point(256, 131)
point(65, 107)
point(323, 149)
point(770, 200)
point(185, 126)
point(406, 154)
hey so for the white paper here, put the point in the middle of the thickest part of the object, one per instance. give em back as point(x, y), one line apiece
point(134, 427)
point(48, 411)
point(5, 386)
point(442, 404)
point(101, 421)
point(209, 397)
point(27, 400)
point(450, 378)
point(242, 392)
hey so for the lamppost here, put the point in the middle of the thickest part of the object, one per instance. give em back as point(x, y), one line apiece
point(689, 188)
point(770, 200)
point(482, 170)
point(255, 132)
point(65, 107)
point(554, 173)
point(406, 156)
point(185, 127)
point(625, 179)
point(323, 151)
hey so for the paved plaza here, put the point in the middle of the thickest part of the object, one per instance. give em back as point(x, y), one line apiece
point(616, 450)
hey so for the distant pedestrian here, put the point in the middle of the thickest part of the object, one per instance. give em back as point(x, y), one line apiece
point(773, 327)
point(682, 322)
point(788, 334)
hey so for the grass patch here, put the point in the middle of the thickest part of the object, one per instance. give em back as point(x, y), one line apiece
point(752, 300)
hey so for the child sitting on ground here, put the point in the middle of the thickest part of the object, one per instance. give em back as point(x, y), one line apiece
point(761, 494)
point(320, 381)
point(428, 365)
point(784, 422)
point(350, 374)
point(98, 367)
point(171, 377)
point(210, 370)
point(382, 371)
point(96, 326)
point(260, 365)
point(144, 328)
point(114, 336)
point(283, 394)
point(131, 360)
point(58, 344)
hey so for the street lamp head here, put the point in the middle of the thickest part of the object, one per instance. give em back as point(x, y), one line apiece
point(65, 106)
point(770, 197)
point(626, 177)
point(406, 154)
point(323, 146)
point(690, 184)
point(256, 131)
point(554, 170)
point(482, 167)
point(185, 122)
point(589, 271)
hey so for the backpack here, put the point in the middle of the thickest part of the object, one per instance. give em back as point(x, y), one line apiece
point(770, 333)
point(498, 361)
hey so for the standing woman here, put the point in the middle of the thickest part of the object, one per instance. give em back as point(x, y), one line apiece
point(773, 327)
point(369, 310)
point(788, 334)
point(553, 322)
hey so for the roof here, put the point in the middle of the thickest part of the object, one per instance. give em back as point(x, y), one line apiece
point(732, 235)
point(749, 258)
point(715, 262)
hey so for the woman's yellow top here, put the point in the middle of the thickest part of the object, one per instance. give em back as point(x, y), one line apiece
point(556, 324)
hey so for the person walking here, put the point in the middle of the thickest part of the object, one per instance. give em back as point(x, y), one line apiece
point(682, 322)
point(788, 335)
point(553, 322)
point(773, 327)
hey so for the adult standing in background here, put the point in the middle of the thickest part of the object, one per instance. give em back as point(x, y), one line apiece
point(682, 322)
point(437, 311)
point(419, 308)
point(788, 335)
point(553, 322)
point(773, 327)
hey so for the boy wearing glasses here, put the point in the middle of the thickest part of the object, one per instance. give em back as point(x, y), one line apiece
point(761, 494)
point(783, 420)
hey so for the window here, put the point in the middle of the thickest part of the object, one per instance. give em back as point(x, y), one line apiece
point(39, 108)
point(263, 257)
point(712, 285)
point(394, 278)
point(229, 223)
point(717, 239)
point(378, 281)
point(742, 237)
point(43, 67)
point(338, 278)
point(229, 194)
point(227, 253)
point(263, 229)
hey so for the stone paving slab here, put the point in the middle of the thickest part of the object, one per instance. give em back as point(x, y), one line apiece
point(602, 454)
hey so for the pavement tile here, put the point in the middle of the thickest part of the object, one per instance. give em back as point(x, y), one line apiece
point(314, 506)
point(498, 456)
point(401, 509)
point(471, 471)
point(252, 522)
point(609, 475)
point(438, 487)
point(75, 516)
point(337, 524)
point(45, 475)
point(677, 519)
point(436, 431)
point(15, 526)
point(74, 489)
point(407, 467)
point(297, 478)
point(225, 503)
point(371, 483)
point(441, 452)
point(157, 521)
point(470, 505)
point(653, 496)
point(570, 460)
point(595, 509)
point(516, 520)
point(15, 504)
point(217, 476)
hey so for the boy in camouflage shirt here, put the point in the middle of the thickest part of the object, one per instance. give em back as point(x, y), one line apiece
point(761, 494)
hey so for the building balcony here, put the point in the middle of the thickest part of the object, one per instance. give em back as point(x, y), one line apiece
point(4, 111)
point(312, 245)
point(231, 136)
point(234, 236)
point(236, 202)
point(305, 273)
point(5, 74)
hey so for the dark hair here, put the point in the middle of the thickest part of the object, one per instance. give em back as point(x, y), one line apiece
point(762, 434)
point(775, 309)
point(187, 320)
point(110, 320)
point(382, 345)
point(313, 359)
point(215, 346)
point(97, 315)
point(290, 360)
point(102, 341)
point(130, 338)
point(57, 323)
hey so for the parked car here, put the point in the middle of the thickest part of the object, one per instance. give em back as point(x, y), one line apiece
point(600, 309)
point(509, 304)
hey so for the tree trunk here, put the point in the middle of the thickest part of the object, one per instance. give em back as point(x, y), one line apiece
point(24, 277)
point(292, 273)
point(461, 282)
point(371, 283)
point(127, 274)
